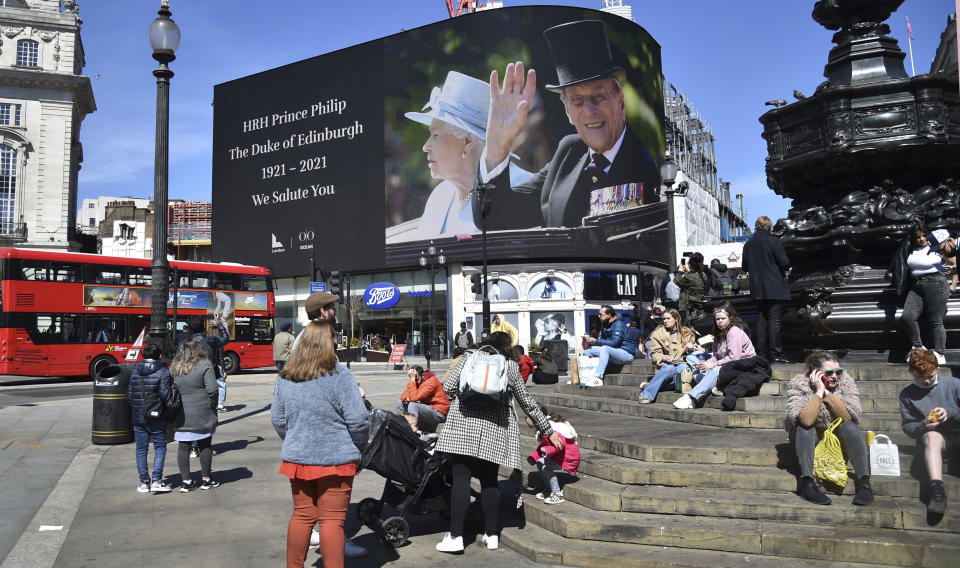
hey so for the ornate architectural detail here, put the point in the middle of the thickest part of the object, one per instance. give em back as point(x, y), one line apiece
point(886, 119)
point(45, 35)
point(11, 31)
point(70, 6)
point(816, 302)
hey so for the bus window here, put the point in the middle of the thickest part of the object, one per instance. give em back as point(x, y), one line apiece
point(140, 276)
point(201, 280)
point(224, 281)
point(65, 272)
point(255, 283)
point(108, 275)
point(258, 331)
point(136, 324)
point(57, 328)
point(105, 329)
point(34, 269)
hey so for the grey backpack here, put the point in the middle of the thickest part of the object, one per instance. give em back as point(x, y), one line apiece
point(483, 379)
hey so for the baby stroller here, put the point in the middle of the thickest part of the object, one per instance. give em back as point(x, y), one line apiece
point(417, 482)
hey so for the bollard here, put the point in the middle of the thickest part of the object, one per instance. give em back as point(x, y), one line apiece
point(111, 411)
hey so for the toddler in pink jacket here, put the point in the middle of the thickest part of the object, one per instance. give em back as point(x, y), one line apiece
point(549, 460)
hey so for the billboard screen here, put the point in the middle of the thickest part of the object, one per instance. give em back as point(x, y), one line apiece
point(362, 156)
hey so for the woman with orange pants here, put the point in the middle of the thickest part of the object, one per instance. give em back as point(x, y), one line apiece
point(318, 411)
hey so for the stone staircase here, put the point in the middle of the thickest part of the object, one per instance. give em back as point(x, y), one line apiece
point(666, 487)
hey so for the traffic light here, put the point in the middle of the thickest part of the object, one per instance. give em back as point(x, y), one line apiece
point(335, 282)
point(476, 285)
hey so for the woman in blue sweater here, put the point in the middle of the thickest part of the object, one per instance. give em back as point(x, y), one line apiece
point(318, 411)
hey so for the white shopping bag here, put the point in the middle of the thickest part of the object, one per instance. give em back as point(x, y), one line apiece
point(587, 366)
point(885, 457)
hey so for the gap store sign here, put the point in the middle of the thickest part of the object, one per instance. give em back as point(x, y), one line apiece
point(381, 295)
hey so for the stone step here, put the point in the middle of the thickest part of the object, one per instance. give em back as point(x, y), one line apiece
point(774, 387)
point(878, 422)
point(885, 512)
point(569, 541)
point(881, 404)
point(604, 468)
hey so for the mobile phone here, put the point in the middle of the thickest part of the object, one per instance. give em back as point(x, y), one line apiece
point(683, 261)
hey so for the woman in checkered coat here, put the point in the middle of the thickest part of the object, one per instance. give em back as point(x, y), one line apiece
point(478, 441)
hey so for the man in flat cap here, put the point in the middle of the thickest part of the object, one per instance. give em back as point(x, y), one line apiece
point(602, 153)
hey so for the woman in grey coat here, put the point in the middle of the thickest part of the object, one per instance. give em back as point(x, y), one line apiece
point(194, 375)
point(479, 440)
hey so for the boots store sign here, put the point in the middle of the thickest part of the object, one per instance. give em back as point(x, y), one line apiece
point(381, 295)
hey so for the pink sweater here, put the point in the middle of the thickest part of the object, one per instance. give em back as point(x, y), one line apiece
point(735, 346)
point(568, 457)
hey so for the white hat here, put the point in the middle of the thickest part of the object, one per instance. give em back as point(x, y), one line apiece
point(463, 102)
point(941, 235)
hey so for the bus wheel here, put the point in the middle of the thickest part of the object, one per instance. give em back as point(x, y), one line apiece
point(231, 363)
point(100, 363)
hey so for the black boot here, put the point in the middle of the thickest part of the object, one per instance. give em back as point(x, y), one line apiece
point(812, 493)
point(938, 498)
point(864, 494)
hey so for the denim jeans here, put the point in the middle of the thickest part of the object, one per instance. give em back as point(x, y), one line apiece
point(143, 433)
point(929, 298)
point(606, 354)
point(709, 380)
point(805, 440)
point(428, 417)
point(548, 471)
point(666, 375)
point(221, 390)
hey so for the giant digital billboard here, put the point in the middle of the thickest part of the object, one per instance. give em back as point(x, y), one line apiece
point(360, 157)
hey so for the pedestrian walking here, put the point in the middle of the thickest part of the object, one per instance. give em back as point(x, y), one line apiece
point(282, 345)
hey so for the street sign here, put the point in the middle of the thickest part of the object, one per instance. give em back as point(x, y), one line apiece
point(396, 355)
point(318, 287)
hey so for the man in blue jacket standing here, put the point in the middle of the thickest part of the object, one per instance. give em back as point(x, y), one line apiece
point(614, 344)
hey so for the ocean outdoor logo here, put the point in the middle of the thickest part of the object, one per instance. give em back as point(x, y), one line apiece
point(381, 295)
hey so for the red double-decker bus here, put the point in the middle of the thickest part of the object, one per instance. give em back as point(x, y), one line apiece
point(70, 314)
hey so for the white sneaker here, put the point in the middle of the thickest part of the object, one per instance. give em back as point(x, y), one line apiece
point(159, 487)
point(221, 407)
point(450, 544)
point(941, 360)
point(685, 402)
point(592, 382)
point(143, 488)
point(314, 538)
point(644, 384)
point(492, 541)
point(716, 392)
point(540, 496)
point(554, 499)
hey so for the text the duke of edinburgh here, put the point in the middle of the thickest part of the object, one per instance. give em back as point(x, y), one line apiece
point(286, 170)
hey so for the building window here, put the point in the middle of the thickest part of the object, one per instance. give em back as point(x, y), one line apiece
point(28, 53)
point(90, 205)
point(9, 114)
point(8, 189)
point(93, 221)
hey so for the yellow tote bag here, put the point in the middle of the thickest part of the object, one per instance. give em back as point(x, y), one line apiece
point(828, 462)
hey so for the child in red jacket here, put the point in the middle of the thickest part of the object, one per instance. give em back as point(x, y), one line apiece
point(525, 362)
point(549, 460)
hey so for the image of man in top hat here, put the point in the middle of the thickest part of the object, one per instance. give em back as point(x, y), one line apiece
point(602, 153)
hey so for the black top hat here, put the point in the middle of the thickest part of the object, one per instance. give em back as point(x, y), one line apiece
point(581, 53)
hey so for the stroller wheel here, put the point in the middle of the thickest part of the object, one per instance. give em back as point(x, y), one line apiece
point(367, 510)
point(395, 531)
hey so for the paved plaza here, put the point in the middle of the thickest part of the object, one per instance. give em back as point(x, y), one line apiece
point(69, 503)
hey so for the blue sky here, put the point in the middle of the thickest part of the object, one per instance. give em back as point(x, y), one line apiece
point(728, 57)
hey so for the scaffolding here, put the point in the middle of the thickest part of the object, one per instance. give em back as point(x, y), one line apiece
point(189, 223)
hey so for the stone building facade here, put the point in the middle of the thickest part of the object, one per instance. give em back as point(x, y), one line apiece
point(43, 100)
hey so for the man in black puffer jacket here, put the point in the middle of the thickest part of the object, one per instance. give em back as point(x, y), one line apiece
point(150, 376)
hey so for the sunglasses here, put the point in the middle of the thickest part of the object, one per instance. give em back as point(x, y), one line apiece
point(832, 372)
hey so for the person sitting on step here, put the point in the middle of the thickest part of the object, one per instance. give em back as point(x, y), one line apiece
point(668, 345)
point(815, 399)
point(930, 413)
point(551, 460)
point(614, 343)
point(731, 342)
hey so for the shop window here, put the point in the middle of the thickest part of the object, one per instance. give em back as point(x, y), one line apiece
point(550, 288)
point(499, 291)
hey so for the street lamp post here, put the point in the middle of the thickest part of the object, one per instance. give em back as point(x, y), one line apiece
point(668, 173)
point(432, 260)
point(164, 36)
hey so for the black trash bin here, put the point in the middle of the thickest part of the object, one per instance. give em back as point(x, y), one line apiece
point(111, 411)
point(558, 349)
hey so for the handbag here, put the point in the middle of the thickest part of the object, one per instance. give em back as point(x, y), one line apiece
point(828, 462)
point(174, 403)
point(884, 458)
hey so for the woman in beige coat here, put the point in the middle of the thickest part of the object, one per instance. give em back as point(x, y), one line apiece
point(669, 343)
